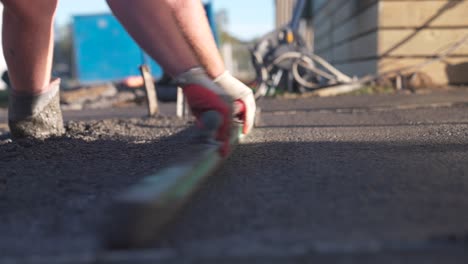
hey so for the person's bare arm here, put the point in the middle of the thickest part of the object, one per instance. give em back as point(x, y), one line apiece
point(193, 22)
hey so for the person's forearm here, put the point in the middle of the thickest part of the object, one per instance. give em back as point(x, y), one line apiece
point(193, 22)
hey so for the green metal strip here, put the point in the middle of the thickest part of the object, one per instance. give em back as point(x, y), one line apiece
point(137, 215)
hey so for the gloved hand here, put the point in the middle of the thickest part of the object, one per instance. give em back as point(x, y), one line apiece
point(204, 95)
point(244, 108)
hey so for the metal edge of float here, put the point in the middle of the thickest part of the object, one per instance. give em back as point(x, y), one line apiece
point(137, 215)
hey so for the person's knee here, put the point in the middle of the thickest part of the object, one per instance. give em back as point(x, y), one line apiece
point(28, 10)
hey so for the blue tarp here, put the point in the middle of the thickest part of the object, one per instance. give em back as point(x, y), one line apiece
point(105, 52)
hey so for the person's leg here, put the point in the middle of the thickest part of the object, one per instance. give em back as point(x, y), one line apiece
point(28, 43)
point(34, 109)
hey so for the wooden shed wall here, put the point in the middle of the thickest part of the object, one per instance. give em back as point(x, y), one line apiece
point(411, 32)
point(370, 36)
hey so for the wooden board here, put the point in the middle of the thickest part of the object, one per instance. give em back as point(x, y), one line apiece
point(450, 70)
point(424, 42)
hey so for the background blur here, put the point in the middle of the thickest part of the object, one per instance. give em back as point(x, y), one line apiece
point(359, 37)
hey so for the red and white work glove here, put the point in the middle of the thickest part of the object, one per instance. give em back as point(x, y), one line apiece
point(204, 95)
point(244, 107)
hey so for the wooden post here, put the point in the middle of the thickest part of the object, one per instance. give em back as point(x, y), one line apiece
point(151, 94)
point(180, 103)
point(399, 82)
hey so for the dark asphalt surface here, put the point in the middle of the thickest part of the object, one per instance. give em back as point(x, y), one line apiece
point(372, 179)
point(335, 181)
point(428, 99)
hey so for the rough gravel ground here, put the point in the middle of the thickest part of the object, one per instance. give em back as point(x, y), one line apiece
point(52, 193)
point(375, 179)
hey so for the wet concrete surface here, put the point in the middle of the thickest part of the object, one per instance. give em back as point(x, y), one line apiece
point(367, 184)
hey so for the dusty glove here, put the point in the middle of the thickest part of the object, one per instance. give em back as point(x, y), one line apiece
point(203, 95)
point(244, 101)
